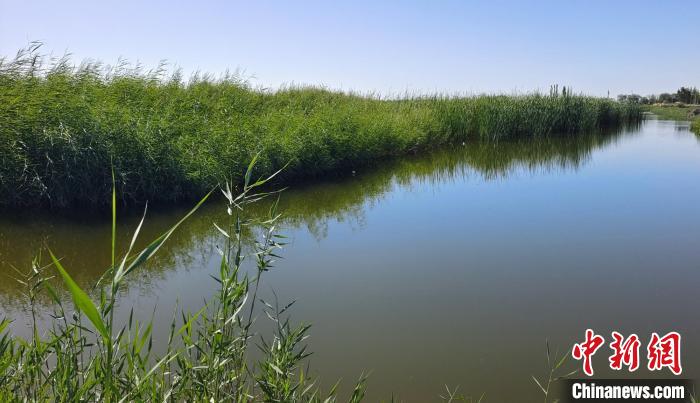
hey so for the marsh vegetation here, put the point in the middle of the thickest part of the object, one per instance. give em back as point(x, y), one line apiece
point(168, 139)
point(87, 355)
point(461, 199)
point(432, 278)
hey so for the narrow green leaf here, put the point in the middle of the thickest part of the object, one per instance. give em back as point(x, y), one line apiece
point(249, 171)
point(273, 366)
point(263, 181)
point(563, 358)
point(4, 324)
point(52, 293)
point(81, 300)
point(114, 217)
point(538, 384)
point(120, 272)
point(151, 249)
point(188, 324)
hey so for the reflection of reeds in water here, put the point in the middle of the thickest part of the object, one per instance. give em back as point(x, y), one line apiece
point(83, 241)
point(89, 355)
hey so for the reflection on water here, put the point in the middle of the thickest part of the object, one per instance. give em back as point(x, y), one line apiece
point(85, 241)
point(451, 267)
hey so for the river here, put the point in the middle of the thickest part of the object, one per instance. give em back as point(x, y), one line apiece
point(453, 267)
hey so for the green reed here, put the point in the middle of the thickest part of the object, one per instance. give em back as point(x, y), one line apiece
point(90, 355)
point(168, 138)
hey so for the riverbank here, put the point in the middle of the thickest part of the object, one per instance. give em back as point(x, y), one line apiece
point(673, 112)
point(169, 140)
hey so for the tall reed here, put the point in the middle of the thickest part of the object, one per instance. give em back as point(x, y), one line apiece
point(168, 139)
point(90, 355)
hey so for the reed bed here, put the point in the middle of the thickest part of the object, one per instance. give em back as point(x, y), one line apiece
point(62, 125)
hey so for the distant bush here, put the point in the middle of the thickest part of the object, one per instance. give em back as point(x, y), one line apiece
point(684, 95)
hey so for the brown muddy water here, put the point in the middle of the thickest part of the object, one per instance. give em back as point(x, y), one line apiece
point(450, 268)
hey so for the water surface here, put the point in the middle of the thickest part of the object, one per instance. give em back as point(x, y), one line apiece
point(447, 268)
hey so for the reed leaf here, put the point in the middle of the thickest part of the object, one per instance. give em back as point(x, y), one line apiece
point(81, 300)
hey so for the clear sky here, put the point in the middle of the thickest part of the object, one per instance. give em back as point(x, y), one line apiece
point(595, 46)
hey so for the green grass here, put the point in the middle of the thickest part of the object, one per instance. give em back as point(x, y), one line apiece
point(672, 112)
point(169, 140)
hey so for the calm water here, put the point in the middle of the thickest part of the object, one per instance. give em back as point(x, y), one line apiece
point(452, 268)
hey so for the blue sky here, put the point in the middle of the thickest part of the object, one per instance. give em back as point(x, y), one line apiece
point(387, 47)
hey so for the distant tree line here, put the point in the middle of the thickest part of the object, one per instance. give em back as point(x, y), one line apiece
point(686, 95)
